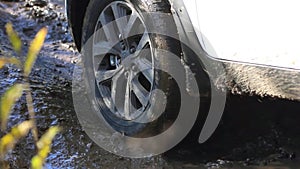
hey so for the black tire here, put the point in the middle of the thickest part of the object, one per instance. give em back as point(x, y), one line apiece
point(162, 80)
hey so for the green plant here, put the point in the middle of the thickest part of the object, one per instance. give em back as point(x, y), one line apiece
point(14, 93)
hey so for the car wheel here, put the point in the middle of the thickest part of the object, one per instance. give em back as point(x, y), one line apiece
point(121, 68)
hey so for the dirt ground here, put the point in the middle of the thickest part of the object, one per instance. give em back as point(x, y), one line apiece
point(240, 141)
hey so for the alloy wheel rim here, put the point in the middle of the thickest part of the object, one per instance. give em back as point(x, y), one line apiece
point(123, 62)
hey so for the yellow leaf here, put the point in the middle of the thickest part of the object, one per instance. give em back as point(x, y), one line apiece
point(7, 102)
point(44, 151)
point(9, 60)
point(34, 49)
point(13, 37)
point(8, 141)
point(44, 147)
point(2, 62)
point(37, 162)
point(22, 129)
point(47, 138)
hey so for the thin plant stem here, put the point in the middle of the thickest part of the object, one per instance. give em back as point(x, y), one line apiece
point(31, 112)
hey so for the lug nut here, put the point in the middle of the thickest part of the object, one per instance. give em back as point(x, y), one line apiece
point(123, 46)
point(126, 74)
point(112, 60)
point(132, 50)
point(134, 68)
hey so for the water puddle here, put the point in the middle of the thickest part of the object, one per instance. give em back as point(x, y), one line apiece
point(254, 133)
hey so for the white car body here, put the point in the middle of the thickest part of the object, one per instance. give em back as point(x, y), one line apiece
point(257, 31)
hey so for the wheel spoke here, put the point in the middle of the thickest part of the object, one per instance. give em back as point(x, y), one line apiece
point(127, 103)
point(145, 67)
point(140, 49)
point(130, 24)
point(106, 95)
point(120, 17)
point(104, 75)
point(118, 90)
point(99, 35)
point(140, 92)
point(102, 48)
point(143, 42)
point(109, 30)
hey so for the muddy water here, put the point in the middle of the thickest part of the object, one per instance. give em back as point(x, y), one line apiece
point(254, 133)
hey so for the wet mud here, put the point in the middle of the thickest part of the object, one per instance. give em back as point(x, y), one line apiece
point(255, 132)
